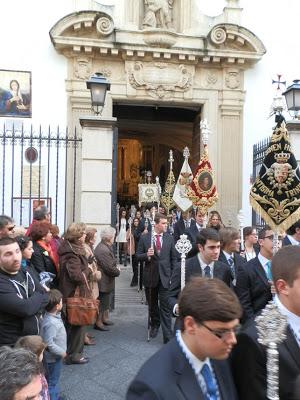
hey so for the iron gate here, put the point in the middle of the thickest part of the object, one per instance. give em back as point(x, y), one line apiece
point(259, 150)
point(39, 167)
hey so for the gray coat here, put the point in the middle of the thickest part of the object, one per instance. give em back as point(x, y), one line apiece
point(108, 266)
point(54, 334)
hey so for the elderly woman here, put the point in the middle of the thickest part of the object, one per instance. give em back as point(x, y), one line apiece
point(74, 272)
point(43, 260)
point(108, 266)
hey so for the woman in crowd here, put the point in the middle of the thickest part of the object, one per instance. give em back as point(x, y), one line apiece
point(55, 241)
point(132, 244)
point(43, 260)
point(215, 221)
point(250, 242)
point(74, 271)
point(108, 266)
point(26, 247)
point(122, 227)
point(95, 275)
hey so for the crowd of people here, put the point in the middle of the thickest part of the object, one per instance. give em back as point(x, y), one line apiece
point(227, 283)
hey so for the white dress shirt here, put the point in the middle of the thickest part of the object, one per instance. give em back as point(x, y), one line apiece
point(293, 241)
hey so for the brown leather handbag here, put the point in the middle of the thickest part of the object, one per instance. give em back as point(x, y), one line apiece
point(82, 310)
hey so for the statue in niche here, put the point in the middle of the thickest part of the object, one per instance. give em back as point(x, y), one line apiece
point(158, 14)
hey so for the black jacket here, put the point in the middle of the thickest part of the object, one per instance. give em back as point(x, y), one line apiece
point(19, 311)
point(40, 261)
point(160, 266)
point(249, 366)
point(167, 375)
point(193, 268)
point(252, 288)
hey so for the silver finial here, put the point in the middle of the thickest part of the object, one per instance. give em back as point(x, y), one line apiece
point(171, 159)
point(271, 328)
point(205, 131)
point(183, 246)
point(186, 153)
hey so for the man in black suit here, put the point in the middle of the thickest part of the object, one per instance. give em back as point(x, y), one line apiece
point(159, 254)
point(292, 235)
point(254, 279)
point(249, 357)
point(185, 222)
point(229, 254)
point(193, 365)
point(205, 264)
point(192, 232)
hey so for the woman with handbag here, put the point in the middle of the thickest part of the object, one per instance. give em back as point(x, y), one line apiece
point(108, 266)
point(74, 275)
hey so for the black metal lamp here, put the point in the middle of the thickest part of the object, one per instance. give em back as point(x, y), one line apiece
point(98, 85)
point(292, 97)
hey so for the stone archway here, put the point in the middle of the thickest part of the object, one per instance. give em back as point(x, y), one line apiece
point(201, 66)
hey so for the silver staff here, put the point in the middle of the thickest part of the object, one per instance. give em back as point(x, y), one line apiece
point(152, 247)
point(130, 220)
point(183, 246)
point(118, 231)
point(271, 328)
point(240, 218)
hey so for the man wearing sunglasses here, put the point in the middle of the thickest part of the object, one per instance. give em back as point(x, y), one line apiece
point(249, 360)
point(193, 364)
point(254, 279)
point(7, 226)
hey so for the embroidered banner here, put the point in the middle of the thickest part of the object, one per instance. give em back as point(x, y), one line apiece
point(275, 194)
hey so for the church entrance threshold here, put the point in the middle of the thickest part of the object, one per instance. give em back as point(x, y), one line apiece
point(146, 135)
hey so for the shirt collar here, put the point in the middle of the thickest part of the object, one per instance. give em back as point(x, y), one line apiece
point(293, 319)
point(202, 263)
point(263, 260)
point(227, 255)
point(292, 240)
point(196, 364)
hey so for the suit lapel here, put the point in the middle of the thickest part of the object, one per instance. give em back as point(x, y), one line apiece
point(187, 381)
point(261, 272)
point(291, 344)
point(220, 379)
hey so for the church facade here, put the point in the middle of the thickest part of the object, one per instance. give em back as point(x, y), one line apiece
point(169, 66)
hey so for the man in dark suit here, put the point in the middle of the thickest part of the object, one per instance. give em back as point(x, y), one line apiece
point(203, 264)
point(292, 235)
point(159, 254)
point(254, 279)
point(230, 246)
point(249, 357)
point(192, 232)
point(193, 365)
point(182, 224)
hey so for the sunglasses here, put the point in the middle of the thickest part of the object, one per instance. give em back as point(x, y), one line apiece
point(271, 237)
point(11, 228)
point(222, 333)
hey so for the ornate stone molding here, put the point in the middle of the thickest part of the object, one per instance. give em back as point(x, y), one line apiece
point(105, 25)
point(160, 79)
point(159, 38)
point(232, 79)
point(82, 68)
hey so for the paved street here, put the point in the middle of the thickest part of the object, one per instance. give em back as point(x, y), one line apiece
point(118, 354)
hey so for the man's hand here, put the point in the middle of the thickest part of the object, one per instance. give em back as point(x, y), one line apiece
point(150, 252)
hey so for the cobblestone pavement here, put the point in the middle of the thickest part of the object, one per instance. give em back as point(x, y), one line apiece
point(118, 354)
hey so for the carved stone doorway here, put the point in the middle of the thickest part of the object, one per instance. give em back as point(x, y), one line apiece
point(146, 135)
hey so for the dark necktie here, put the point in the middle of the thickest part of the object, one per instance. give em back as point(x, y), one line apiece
point(232, 269)
point(207, 272)
point(211, 387)
point(158, 243)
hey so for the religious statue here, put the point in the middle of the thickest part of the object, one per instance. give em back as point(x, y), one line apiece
point(158, 14)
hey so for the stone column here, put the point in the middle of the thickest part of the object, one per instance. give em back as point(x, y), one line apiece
point(97, 186)
point(132, 14)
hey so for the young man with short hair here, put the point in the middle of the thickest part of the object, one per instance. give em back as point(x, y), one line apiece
point(22, 298)
point(254, 279)
point(160, 258)
point(7, 226)
point(20, 377)
point(193, 365)
point(249, 357)
point(292, 235)
point(205, 264)
point(230, 248)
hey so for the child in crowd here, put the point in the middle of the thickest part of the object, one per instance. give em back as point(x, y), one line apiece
point(54, 334)
point(35, 344)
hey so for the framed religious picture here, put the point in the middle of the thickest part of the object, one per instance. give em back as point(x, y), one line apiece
point(205, 181)
point(15, 93)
